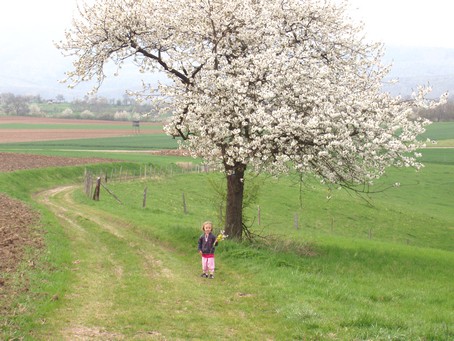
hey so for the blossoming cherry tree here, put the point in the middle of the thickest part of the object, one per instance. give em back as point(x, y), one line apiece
point(265, 85)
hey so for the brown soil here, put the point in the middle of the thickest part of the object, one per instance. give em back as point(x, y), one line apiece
point(16, 220)
point(17, 234)
point(10, 162)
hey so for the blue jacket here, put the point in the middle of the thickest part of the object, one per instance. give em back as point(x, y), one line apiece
point(207, 245)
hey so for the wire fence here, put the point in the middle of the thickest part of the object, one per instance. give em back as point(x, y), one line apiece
point(94, 181)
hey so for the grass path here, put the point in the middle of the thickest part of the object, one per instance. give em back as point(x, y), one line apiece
point(129, 286)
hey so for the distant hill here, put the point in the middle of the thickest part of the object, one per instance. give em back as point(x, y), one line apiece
point(415, 66)
point(39, 74)
point(38, 70)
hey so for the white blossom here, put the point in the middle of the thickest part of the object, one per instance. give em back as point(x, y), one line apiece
point(263, 84)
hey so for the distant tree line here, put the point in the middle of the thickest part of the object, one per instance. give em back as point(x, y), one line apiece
point(442, 113)
point(99, 108)
point(11, 104)
point(128, 108)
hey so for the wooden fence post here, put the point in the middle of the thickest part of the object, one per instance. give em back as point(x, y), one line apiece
point(97, 188)
point(184, 205)
point(88, 183)
point(144, 204)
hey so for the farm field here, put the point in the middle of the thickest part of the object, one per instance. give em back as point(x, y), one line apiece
point(328, 266)
point(27, 129)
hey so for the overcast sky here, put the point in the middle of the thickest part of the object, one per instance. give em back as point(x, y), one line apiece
point(29, 27)
point(406, 22)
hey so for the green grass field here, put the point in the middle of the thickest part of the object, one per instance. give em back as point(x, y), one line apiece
point(132, 142)
point(328, 265)
point(439, 131)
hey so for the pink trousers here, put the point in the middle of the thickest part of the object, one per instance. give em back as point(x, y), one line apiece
point(208, 264)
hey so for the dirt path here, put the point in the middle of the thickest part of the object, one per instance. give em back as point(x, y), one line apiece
point(103, 271)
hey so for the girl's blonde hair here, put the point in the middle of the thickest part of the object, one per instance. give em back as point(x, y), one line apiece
point(207, 223)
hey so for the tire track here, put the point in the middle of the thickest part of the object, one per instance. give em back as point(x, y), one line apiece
point(90, 307)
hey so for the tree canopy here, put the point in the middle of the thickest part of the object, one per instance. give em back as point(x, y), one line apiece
point(265, 85)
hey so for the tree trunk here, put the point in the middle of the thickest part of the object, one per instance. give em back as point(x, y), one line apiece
point(234, 207)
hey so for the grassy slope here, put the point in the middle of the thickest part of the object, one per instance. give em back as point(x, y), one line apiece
point(323, 283)
point(349, 271)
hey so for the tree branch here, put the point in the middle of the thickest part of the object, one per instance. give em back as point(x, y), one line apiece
point(184, 79)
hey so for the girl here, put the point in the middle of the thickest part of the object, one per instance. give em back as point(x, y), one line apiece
point(207, 242)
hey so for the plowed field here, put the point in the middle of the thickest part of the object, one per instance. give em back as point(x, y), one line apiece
point(38, 133)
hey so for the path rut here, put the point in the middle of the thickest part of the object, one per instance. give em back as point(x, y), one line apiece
point(88, 311)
